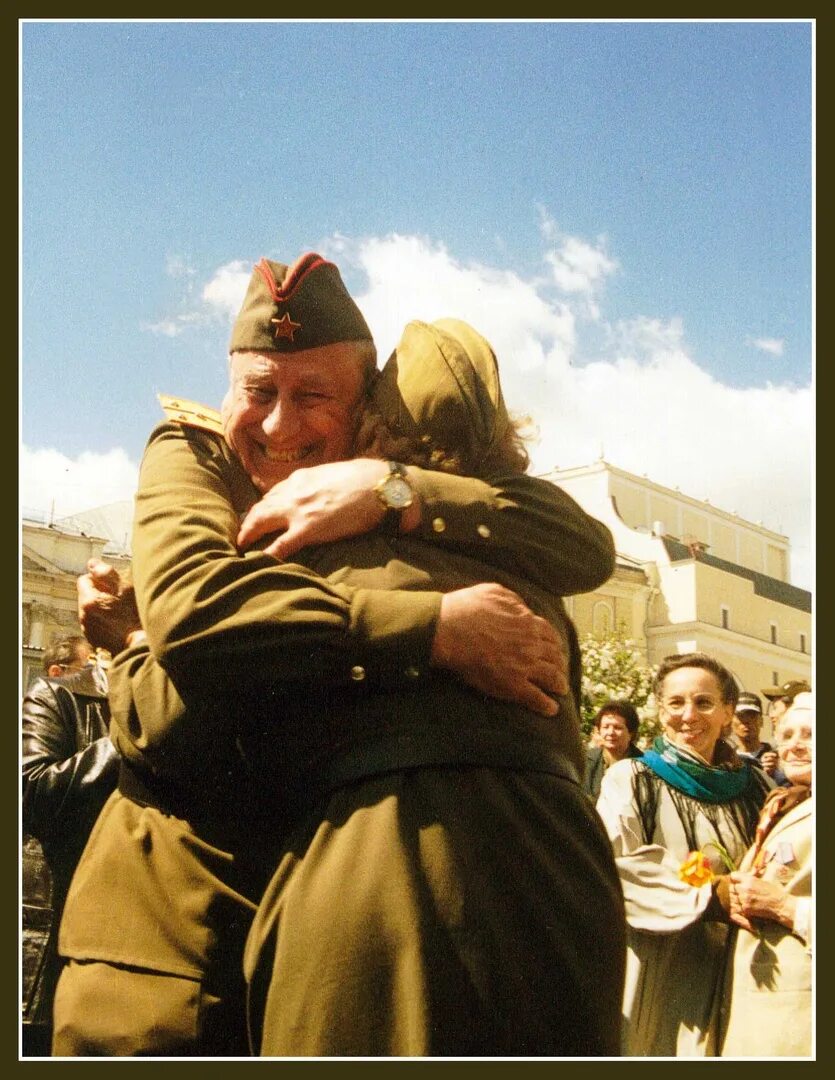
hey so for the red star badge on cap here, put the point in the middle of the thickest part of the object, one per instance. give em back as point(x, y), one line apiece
point(285, 327)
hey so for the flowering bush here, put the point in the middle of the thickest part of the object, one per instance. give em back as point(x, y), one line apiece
point(614, 667)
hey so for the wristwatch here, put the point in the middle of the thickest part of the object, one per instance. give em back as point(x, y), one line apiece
point(396, 494)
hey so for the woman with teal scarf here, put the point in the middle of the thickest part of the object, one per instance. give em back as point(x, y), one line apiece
point(679, 818)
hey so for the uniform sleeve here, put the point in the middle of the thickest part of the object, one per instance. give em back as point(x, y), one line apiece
point(519, 523)
point(64, 787)
point(214, 617)
point(656, 900)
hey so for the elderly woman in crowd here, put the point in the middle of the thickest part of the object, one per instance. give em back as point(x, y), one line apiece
point(616, 726)
point(674, 816)
point(767, 997)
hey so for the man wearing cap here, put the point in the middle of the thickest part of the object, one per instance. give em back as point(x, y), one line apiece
point(781, 697)
point(746, 725)
point(340, 689)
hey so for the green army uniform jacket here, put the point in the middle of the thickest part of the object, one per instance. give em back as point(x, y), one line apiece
point(267, 684)
point(331, 653)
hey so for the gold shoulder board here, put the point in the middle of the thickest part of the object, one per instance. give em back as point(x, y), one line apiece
point(191, 413)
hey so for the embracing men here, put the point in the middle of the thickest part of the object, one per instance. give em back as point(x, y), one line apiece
point(368, 745)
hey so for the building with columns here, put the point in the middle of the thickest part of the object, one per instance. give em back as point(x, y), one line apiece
point(53, 556)
point(692, 577)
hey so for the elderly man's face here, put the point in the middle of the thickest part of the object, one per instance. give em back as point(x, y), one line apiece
point(795, 732)
point(284, 411)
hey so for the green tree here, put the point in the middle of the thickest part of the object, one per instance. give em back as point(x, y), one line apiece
point(614, 667)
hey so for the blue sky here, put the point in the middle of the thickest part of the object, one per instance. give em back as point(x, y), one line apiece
point(625, 209)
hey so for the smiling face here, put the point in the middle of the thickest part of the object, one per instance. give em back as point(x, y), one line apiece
point(288, 410)
point(795, 733)
point(693, 711)
point(614, 734)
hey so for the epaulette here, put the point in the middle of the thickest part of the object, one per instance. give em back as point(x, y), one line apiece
point(191, 413)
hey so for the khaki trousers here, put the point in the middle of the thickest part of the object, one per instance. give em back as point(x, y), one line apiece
point(442, 912)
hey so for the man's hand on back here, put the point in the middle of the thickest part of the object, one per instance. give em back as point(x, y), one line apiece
point(488, 636)
point(320, 504)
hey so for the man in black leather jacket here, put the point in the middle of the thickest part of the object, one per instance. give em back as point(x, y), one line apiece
point(70, 767)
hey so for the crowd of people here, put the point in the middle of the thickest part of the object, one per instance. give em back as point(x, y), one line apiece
point(331, 792)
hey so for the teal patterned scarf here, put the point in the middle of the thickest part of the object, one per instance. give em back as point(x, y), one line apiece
point(687, 773)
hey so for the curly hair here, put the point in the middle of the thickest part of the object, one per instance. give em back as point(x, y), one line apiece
point(374, 438)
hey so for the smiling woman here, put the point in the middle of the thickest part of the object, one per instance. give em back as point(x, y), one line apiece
point(616, 724)
point(689, 794)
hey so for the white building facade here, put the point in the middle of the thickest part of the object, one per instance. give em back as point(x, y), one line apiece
point(692, 577)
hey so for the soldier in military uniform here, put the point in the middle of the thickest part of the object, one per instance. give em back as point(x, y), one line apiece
point(339, 701)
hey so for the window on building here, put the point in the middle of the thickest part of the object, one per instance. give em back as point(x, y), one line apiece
point(726, 617)
point(803, 643)
point(774, 680)
point(773, 633)
point(602, 620)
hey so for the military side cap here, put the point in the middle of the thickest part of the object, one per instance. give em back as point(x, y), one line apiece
point(293, 308)
point(787, 690)
point(441, 385)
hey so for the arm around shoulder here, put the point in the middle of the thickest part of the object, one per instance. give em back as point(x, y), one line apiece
point(204, 605)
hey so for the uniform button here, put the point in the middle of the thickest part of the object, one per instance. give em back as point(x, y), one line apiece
point(438, 524)
point(412, 672)
point(484, 531)
point(357, 673)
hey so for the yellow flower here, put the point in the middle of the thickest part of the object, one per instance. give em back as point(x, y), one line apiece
point(696, 870)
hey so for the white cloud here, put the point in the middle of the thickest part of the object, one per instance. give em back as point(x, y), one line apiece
point(646, 402)
point(176, 325)
point(178, 266)
point(413, 278)
point(224, 293)
point(647, 336)
point(774, 346)
point(218, 300)
point(579, 267)
point(166, 327)
point(56, 485)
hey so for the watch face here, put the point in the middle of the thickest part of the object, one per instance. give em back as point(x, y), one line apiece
point(398, 493)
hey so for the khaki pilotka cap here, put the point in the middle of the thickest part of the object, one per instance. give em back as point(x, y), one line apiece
point(788, 690)
point(293, 308)
point(441, 385)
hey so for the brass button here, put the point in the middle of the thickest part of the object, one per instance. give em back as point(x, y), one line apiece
point(412, 672)
point(484, 531)
point(438, 524)
point(357, 673)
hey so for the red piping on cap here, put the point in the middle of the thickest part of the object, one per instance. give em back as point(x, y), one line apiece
point(301, 268)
